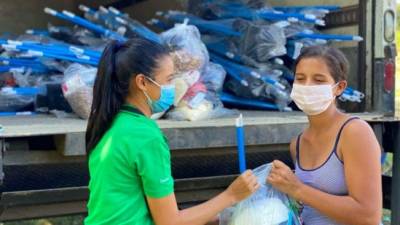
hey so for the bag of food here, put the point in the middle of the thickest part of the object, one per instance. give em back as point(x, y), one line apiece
point(267, 206)
point(78, 88)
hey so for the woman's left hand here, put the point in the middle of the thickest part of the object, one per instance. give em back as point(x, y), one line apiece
point(282, 178)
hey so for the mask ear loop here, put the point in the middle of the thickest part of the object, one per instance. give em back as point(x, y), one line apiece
point(148, 99)
point(336, 85)
point(153, 81)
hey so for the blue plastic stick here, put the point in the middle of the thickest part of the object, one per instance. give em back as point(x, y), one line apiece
point(27, 91)
point(203, 25)
point(337, 37)
point(27, 113)
point(221, 49)
point(51, 54)
point(250, 14)
point(124, 19)
point(241, 69)
point(62, 49)
point(241, 144)
point(244, 102)
point(85, 23)
point(301, 8)
point(22, 69)
point(160, 24)
point(37, 32)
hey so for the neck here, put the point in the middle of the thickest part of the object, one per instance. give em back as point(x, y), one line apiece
point(321, 122)
point(140, 103)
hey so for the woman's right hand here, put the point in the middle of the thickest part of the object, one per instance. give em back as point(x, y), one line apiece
point(243, 186)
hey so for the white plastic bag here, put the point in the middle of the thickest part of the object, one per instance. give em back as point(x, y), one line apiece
point(267, 206)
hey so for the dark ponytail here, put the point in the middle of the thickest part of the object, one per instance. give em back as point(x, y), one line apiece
point(119, 63)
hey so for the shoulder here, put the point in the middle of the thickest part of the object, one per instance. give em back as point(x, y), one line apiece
point(136, 132)
point(358, 138)
point(356, 128)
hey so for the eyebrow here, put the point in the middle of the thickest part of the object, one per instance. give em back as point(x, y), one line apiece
point(320, 75)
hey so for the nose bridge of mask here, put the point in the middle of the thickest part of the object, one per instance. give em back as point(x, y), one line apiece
point(313, 91)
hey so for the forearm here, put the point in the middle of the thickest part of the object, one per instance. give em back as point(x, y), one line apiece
point(206, 212)
point(343, 209)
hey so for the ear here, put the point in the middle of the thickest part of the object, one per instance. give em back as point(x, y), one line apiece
point(340, 87)
point(141, 82)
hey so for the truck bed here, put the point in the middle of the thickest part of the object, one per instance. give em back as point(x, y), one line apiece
point(203, 158)
point(262, 128)
point(50, 125)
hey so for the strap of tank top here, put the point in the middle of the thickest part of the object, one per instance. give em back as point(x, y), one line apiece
point(298, 147)
point(341, 130)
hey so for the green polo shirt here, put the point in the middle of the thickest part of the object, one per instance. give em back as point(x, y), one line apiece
point(130, 162)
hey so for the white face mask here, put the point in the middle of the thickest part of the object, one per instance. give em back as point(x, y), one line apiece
point(313, 99)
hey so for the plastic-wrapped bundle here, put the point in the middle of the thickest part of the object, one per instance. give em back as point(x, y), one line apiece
point(267, 206)
point(76, 36)
point(104, 17)
point(17, 99)
point(262, 89)
point(317, 11)
point(186, 39)
point(119, 22)
point(78, 88)
point(209, 8)
point(261, 42)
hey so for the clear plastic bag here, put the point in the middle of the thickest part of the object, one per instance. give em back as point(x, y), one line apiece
point(184, 61)
point(209, 9)
point(186, 38)
point(78, 88)
point(267, 206)
point(213, 77)
point(259, 89)
point(204, 110)
point(197, 94)
point(261, 42)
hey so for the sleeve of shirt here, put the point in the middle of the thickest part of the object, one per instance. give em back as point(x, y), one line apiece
point(154, 168)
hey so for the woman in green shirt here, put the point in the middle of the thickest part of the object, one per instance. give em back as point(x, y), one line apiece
point(129, 159)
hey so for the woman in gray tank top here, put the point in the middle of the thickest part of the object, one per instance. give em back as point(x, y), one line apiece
point(337, 177)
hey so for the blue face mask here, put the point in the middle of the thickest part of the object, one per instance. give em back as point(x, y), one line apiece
point(166, 100)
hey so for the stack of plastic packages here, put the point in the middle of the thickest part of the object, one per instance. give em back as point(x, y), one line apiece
point(239, 52)
point(54, 70)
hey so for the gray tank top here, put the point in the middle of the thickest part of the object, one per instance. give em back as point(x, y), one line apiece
point(329, 178)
